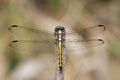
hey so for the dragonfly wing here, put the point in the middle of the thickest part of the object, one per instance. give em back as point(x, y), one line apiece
point(26, 46)
point(28, 33)
point(80, 45)
point(89, 32)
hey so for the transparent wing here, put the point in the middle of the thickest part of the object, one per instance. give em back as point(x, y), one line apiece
point(48, 46)
point(32, 46)
point(89, 32)
point(28, 33)
point(77, 45)
point(39, 41)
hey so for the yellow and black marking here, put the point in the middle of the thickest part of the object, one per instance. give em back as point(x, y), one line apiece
point(60, 58)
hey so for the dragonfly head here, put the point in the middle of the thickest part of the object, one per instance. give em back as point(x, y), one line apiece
point(59, 29)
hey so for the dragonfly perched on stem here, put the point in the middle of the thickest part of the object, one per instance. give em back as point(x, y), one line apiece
point(33, 37)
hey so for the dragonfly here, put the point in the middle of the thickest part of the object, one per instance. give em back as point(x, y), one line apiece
point(30, 36)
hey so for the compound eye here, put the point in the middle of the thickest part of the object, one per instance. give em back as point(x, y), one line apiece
point(62, 28)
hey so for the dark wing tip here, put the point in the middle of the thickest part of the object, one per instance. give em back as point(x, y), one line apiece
point(102, 26)
point(12, 42)
point(101, 41)
point(14, 25)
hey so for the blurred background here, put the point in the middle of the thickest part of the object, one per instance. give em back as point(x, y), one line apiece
point(30, 62)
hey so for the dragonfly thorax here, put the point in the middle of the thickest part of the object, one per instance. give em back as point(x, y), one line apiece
point(59, 34)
